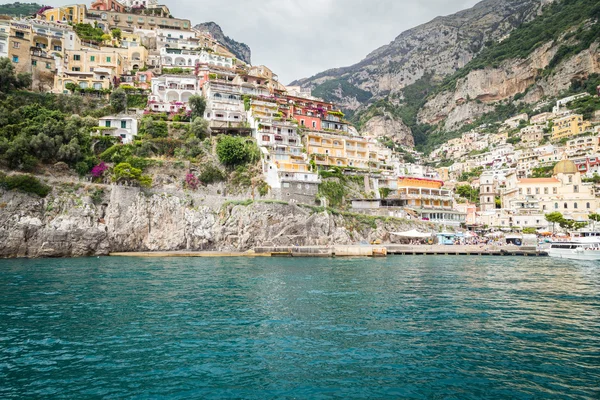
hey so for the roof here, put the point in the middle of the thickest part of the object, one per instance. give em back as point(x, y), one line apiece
point(531, 181)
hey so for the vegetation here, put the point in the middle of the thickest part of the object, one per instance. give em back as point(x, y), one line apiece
point(326, 90)
point(469, 176)
point(138, 101)
point(586, 106)
point(556, 19)
point(9, 81)
point(19, 9)
point(126, 173)
point(236, 151)
point(334, 191)
point(197, 105)
point(118, 100)
point(211, 174)
point(87, 32)
point(177, 71)
point(24, 183)
point(543, 172)
point(567, 224)
point(468, 193)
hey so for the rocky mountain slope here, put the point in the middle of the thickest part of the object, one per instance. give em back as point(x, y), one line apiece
point(76, 221)
point(441, 46)
point(477, 66)
point(241, 50)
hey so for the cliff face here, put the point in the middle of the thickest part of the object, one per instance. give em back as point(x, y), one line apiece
point(441, 47)
point(475, 93)
point(70, 224)
point(241, 50)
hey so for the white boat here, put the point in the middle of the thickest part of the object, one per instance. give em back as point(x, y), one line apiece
point(582, 246)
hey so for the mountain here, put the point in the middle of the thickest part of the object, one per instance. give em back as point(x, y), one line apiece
point(431, 51)
point(241, 50)
point(17, 9)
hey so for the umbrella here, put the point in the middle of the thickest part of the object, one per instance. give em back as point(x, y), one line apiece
point(494, 235)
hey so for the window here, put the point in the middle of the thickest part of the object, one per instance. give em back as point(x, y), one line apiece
point(123, 124)
point(16, 45)
point(76, 69)
point(77, 57)
point(528, 190)
point(543, 208)
point(107, 59)
point(488, 189)
point(575, 188)
point(537, 190)
point(314, 124)
point(302, 122)
point(15, 59)
point(92, 58)
point(554, 190)
point(20, 34)
point(546, 190)
point(576, 206)
point(566, 206)
point(34, 63)
point(48, 66)
point(570, 179)
point(107, 124)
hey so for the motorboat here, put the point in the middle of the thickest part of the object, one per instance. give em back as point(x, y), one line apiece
point(584, 245)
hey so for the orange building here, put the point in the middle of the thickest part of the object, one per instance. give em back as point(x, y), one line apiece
point(107, 5)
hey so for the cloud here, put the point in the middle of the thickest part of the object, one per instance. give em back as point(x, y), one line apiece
point(299, 38)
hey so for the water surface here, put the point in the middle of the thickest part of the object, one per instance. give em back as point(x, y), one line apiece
point(401, 327)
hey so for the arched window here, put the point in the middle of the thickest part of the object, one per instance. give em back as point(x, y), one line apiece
point(488, 189)
point(566, 206)
point(588, 206)
point(570, 179)
point(556, 206)
point(576, 206)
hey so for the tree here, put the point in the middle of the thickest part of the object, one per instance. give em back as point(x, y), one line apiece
point(118, 100)
point(554, 218)
point(124, 172)
point(236, 151)
point(594, 217)
point(198, 105)
point(199, 128)
point(116, 33)
point(9, 81)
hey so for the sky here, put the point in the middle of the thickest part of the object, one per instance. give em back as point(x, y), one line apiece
point(300, 38)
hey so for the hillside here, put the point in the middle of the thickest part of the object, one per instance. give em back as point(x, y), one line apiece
point(550, 50)
point(240, 50)
point(17, 9)
point(441, 46)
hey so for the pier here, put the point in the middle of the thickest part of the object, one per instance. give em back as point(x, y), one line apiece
point(352, 251)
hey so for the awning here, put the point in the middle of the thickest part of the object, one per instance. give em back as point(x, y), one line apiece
point(412, 234)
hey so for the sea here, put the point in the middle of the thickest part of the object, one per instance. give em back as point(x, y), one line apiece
point(400, 327)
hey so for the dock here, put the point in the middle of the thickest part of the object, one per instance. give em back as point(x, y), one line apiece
point(350, 251)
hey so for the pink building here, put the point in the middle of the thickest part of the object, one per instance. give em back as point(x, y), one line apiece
point(107, 5)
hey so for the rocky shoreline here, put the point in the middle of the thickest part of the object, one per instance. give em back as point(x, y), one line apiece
point(80, 222)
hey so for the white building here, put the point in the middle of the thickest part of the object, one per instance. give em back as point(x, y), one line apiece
point(4, 32)
point(171, 93)
point(122, 126)
point(172, 58)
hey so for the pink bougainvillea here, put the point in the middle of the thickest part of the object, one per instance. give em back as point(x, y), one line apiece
point(192, 181)
point(99, 170)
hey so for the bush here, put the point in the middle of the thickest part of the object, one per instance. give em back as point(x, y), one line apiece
point(24, 183)
point(211, 174)
point(235, 151)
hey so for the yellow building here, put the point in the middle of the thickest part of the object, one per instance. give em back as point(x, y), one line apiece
point(74, 14)
point(90, 68)
point(336, 150)
point(568, 126)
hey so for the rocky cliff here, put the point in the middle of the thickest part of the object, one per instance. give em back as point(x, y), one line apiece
point(241, 50)
point(96, 220)
point(441, 46)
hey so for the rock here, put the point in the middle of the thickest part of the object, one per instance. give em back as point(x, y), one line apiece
point(394, 129)
point(132, 220)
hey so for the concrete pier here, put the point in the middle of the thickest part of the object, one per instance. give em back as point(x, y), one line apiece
point(354, 251)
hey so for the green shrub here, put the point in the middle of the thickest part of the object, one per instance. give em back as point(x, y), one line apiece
point(236, 151)
point(24, 183)
point(211, 174)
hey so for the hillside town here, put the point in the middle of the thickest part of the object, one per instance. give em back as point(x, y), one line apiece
point(507, 177)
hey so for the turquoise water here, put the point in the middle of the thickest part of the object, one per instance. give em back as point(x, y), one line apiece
point(402, 327)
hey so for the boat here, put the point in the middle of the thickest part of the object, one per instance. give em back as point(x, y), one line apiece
point(584, 245)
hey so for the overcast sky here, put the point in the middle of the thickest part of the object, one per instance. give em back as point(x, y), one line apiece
point(299, 38)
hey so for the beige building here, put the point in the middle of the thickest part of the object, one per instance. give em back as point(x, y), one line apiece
point(569, 126)
point(526, 201)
